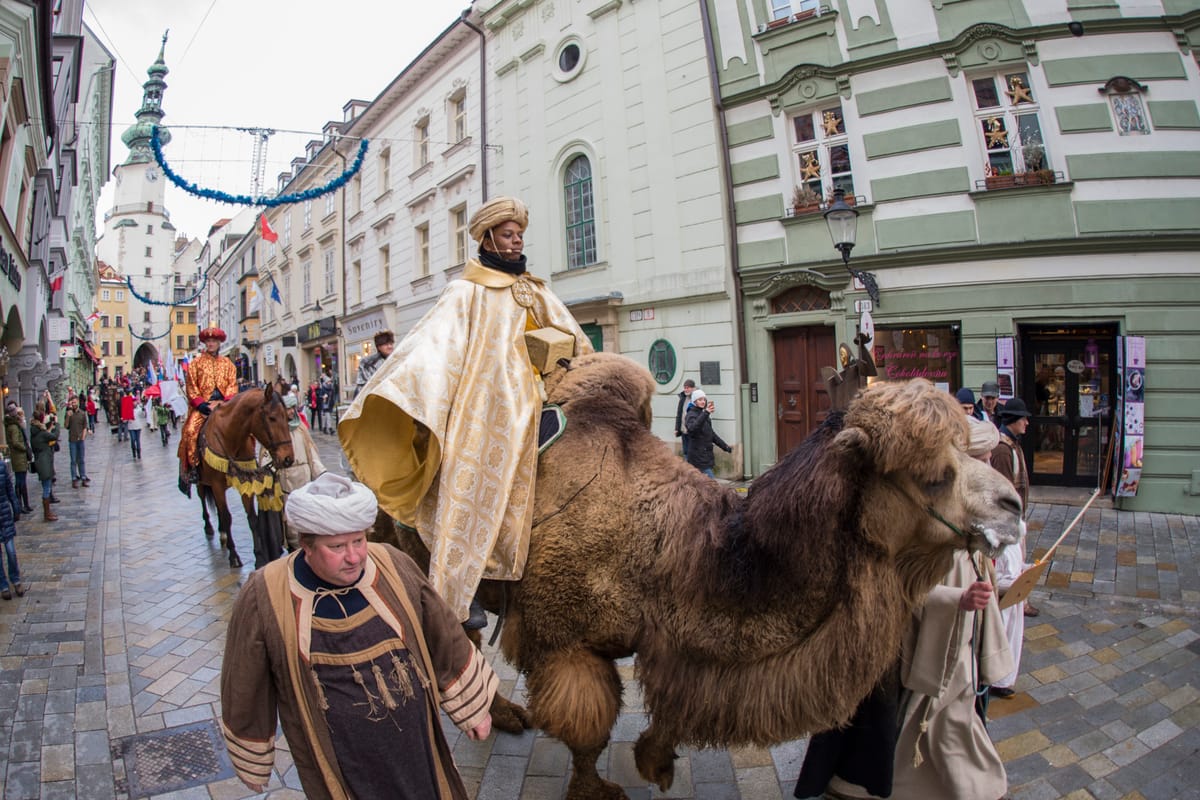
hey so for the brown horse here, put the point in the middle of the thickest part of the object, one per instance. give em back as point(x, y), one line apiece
point(226, 449)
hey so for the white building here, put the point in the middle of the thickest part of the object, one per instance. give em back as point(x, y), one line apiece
point(139, 239)
point(601, 118)
point(407, 210)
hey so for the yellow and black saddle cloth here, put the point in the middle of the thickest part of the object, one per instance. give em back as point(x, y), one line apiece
point(246, 476)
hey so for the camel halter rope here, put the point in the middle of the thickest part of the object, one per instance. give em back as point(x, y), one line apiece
point(246, 476)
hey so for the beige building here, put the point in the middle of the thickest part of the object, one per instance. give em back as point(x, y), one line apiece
point(111, 337)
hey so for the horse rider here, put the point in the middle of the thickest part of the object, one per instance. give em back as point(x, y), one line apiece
point(211, 380)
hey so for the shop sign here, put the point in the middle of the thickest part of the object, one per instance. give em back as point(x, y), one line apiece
point(11, 267)
point(269, 354)
point(905, 353)
point(327, 326)
point(364, 328)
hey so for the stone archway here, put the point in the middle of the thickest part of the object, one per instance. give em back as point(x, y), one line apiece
point(146, 354)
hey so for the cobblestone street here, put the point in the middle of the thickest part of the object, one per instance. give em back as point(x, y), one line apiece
point(109, 665)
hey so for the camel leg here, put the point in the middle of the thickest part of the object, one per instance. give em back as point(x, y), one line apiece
point(575, 696)
point(655, 756)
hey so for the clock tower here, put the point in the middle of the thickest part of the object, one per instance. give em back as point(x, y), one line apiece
point(139, 239)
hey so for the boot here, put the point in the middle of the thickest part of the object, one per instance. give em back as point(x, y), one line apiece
point(53, 499)
point(74, 483)
point(26, 508)
point(47, 514)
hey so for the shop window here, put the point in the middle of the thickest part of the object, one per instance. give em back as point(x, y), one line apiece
point(930, 352)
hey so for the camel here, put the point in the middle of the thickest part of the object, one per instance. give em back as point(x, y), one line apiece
point(755, 619)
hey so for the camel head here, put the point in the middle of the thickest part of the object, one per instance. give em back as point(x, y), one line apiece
point(925, 494)
point(620, 383)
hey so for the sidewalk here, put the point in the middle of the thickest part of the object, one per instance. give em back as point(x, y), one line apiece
point(109, 665)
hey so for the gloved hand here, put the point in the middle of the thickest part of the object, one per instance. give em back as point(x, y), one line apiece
point(204, 408)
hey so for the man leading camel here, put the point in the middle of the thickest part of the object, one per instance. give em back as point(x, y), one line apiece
point(211, 380)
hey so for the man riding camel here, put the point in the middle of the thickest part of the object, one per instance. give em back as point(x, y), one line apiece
point(446, 433)
point(211, 380)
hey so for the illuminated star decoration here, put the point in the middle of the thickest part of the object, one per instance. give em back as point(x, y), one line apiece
point(811, 168)
point(1017, 91)
point(996, 135)
point(830, 121)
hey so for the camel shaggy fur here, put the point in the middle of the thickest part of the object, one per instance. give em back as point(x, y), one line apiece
point(755, 619)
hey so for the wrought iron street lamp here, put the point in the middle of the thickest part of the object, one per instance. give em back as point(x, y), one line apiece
point(842, 220)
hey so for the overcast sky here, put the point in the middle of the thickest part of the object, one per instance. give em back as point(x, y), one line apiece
point(281, 64)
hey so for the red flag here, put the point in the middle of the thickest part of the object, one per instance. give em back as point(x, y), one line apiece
point(56, 283)
point(267, 233)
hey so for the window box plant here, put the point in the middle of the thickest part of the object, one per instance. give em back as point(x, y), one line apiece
point(805, 200)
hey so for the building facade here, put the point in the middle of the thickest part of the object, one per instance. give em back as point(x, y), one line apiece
point(303, 268)
point(407, 210)
point(1027, 184)
point(601, 116)
point(139, 238)
point(110, 334)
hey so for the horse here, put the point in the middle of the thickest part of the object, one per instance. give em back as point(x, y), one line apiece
point(226, 447)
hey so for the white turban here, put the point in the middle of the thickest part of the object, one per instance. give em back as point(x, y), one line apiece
point(331, 505)
point(984, 437)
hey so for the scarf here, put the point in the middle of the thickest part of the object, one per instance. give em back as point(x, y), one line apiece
point(494, 261)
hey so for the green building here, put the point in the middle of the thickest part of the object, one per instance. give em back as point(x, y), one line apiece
point(1027, 181)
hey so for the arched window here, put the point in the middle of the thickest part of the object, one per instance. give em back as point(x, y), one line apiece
point(581, 213)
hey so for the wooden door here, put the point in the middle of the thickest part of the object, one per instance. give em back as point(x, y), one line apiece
point(801, 398)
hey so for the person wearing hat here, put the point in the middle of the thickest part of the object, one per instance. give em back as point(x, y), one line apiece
point(989, 402)
point(1009, 459)
point(273, 532)
point(211, 380)
point(446, 432)
point(347, 646)
point(966, 399)
point(385, 343)
point(701, 433)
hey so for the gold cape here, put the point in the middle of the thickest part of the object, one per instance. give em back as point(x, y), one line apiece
point(464, 476)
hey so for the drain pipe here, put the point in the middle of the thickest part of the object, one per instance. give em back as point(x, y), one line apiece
point(730, 221)
point(483, 141)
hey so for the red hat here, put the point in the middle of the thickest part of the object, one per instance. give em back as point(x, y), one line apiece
point(212, 333)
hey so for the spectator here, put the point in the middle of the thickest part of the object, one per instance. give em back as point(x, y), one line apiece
point(685, 403)
point(19, 451)
point(135, 426)
point(91, 410)
point(966, 398)
point(989, 402)
point(9, 514)
point(385, 343)
point(698, 423)
point(43, 439)
point(77, 432)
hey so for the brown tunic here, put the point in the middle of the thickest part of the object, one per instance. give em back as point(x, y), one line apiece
point(282, 662)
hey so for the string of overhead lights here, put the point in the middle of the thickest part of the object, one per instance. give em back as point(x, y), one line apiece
point(246, 200)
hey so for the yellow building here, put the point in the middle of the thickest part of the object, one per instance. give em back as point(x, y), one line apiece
point(111, 331)
point(184, 332)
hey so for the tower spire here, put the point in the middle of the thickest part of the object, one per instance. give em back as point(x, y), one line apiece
point(137, 136)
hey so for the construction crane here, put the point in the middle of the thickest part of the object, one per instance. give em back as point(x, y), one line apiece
point(258, 160)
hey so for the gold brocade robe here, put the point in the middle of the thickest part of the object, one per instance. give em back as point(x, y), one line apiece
point(205, 373)
point(445, 432)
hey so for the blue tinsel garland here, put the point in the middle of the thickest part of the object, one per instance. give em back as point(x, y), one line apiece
point(149, 302)
point(247, 200)
point(148, 338)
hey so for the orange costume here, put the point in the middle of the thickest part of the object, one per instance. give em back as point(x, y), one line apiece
point(207, 377)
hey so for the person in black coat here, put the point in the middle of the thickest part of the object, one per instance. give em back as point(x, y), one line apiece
point(10, 512)
point(702, 435)
point(685, 399)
